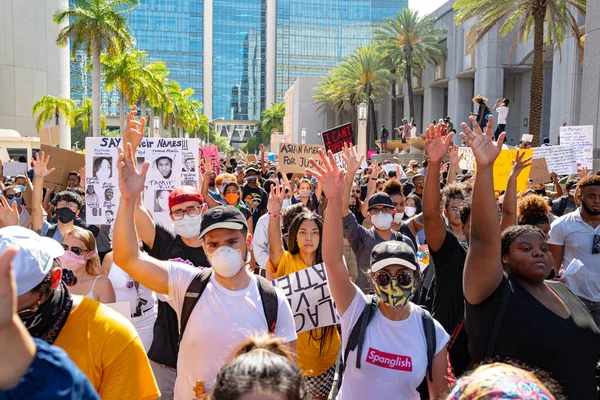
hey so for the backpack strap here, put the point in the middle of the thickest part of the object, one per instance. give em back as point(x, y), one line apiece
point(51, 231)
point(192, 295)
point(429, 328)
point(499, 318)
point(357, 335)
point(268, 295)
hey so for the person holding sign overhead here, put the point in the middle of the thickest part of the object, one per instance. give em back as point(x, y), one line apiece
point(317, 348)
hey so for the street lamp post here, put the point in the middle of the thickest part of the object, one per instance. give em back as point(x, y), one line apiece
point(155, 127)
point(303, 135)
point(362, 128)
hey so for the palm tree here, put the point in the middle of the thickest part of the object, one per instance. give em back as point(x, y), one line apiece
point(556, 15)
point(333, 96)
point(52, 108)
point(271, 119)
point(366, 77)
point(412, 41)
point(95, 26)
point(84, 115)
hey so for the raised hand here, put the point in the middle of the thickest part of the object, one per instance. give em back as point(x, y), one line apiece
point(82, 176)
point(520, 164)
point(40, 165)
point(350, 158)
point(454, 156)
point(375, 171)
point(399, 173)
point(9, 215)
point(276, 199)
point(484, 148)
point(8, 298)
point(330, 176)
point(261, 147)
point(134, 130)
point(436, 145)
point(131, 181)
point(208, 165)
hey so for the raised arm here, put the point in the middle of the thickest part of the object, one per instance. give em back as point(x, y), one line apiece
point(509, 205)
point(371, 185)
point(437, 146)
point(263, 168)
point(558, 190)
point(9, 215)
point(276, 249)
point(40, 171)
point(150, 272)
point(353, 163)
point(208, 169)
point(454, 161)
point(483, 267)
point(332, 178)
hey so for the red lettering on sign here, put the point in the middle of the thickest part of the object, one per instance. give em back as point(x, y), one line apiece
point(388, 360)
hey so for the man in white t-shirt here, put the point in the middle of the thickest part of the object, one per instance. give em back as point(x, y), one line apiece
point(230, 308)
point(501, 107)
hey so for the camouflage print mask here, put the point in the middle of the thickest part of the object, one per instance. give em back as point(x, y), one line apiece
point(395, 295)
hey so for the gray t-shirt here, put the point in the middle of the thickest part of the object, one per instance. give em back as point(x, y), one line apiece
point(362, 241)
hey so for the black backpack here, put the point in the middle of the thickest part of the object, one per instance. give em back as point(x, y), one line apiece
point(357, 336)
point(559, 206)
point(267, 292)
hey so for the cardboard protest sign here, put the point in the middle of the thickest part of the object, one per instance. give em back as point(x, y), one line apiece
point(14, 168)
point(539, 173)
point(208, 151)
point(251, 158)
point(581, 138)
point(334, 140)
point(468, 159)
point(294, 158)
point(167, 171)
point(65, 161)
point(503, 167)
point(559, 159)
point(309, 297)
point(50, 136)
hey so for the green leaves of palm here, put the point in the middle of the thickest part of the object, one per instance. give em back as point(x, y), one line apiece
point(51, 108)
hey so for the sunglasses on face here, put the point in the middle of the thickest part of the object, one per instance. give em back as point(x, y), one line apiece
point(383, 278)
point(12, 196)
point(76, 250)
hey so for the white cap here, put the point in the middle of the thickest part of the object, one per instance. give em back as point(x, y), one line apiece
point(35, 257)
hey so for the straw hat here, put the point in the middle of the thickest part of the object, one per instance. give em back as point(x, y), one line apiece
point(478, 98)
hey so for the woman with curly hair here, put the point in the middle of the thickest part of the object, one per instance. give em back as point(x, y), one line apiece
point(317, 348)
point(534, 210)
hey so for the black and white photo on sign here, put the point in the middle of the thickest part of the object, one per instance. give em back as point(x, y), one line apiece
point(91, 196)
point(140, 161)
point(188, 165)
point(102, 168)
point(161, 200)
point(164, 166)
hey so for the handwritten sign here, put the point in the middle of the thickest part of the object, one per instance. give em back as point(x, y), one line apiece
point(213, 153)
point(65, 161)
point(251, 158)
point(50, 136)
point(309, 297)
point(559, 159)
point(468, 159)
point(294, 158)
point(503, 167)
point(539, 173)
point(334, 140)
point(581, 138)
point(15, 168)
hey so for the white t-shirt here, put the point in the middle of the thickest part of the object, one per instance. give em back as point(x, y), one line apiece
point(502, 114)
point(394, 354)
point(221, 320)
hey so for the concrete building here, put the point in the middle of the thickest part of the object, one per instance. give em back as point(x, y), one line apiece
point(31, 65)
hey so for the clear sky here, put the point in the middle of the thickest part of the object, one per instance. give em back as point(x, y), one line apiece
point(425, 6)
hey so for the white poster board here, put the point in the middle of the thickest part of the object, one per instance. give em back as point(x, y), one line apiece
point(560, 159)
point(468, 159)
point(15, 168)
point(308, 295)
point(167, 172)
point(581, 138)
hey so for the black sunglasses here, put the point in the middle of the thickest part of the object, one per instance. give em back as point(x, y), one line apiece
point(76, 250)
point(12, 196)
point(383, 278)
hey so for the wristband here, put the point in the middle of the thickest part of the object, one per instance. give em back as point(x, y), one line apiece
point(275, 215)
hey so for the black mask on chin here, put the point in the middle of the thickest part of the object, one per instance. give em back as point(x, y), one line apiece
point(65, 215)
point(40, 322)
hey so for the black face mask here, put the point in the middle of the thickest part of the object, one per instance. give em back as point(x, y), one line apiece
point(352, 209)
point(211, 182)
point(65, 215)
point(541, 192)
point(47, 313)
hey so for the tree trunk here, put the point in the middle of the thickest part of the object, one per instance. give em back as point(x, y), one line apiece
point(96, 103)
point(393, 109)
point(121, 113)
point(354, 122)
point(143, 107)
point(161, 125)
point(89, 129)
point(536, 93)
point(57, 119)
point(150, 123)
point(373, 123)
point(411, 100)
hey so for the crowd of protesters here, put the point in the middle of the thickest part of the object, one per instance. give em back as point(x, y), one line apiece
point(444, 287)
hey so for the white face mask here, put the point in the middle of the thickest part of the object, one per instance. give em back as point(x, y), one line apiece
point(304, 193)
point(572, 192)
point(187, 227)
point(410, 211)
point(382, 221)
point(398, 217)
point(227, 261)
point(286, 204)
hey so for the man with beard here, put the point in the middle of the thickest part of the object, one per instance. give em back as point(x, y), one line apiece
point(102, 343)
point(577, 236)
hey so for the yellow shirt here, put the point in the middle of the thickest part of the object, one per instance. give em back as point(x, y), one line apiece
point(311, 360)
point(108, 350)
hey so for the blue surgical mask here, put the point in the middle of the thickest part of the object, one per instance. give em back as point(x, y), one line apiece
point(17, 200)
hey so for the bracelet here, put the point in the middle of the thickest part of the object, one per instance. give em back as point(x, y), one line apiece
point(275, 215)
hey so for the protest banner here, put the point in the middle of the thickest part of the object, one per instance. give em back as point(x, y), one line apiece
point(503, 167)
point(309, 297)
point(167, 171)
point(539, 173)
point(14, 168)
point(370, 153)
point(468, 159)
point(64, 161)
point(334, 140)
point(559, 159)
point(213, 153)
point(50, 136)
point(581, 138)
point(294, 158)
